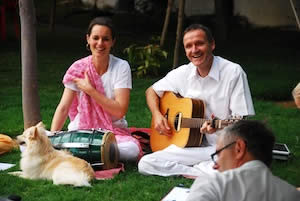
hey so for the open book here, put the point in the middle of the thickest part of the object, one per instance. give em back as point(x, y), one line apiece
point(177, 194)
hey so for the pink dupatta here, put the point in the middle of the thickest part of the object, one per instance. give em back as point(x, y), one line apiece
point(92, 115)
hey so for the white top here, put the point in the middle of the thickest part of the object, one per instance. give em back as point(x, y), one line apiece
point(252, 181)
point(225, 90)
point(118, 75)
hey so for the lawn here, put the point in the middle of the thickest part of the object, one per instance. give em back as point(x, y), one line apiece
point(270, 58)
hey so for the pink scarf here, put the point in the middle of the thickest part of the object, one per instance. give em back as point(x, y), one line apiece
point(92, 115)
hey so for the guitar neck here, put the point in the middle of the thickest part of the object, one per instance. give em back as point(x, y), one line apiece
point(198, 122)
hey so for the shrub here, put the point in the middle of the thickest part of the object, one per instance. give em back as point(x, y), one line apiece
point(145, 60)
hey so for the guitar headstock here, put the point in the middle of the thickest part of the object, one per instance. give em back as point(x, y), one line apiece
point(230, 121)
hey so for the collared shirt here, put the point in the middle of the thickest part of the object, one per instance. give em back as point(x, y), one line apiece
point(252, 181)
point(225, 90)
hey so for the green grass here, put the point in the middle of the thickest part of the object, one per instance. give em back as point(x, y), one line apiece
point(270, 58)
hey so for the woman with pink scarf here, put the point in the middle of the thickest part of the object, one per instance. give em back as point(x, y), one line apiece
point(97, 91)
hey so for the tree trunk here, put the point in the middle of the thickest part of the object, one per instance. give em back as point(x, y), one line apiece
point(30, 97)
point(52, 16)
point(166, 23)
point(178, 32)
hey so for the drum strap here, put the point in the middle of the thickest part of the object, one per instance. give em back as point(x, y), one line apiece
point(72, 145)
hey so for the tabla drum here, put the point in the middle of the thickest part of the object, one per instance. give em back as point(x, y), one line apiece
point(98, 147)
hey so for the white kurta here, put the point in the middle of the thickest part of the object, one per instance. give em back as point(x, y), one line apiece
point(252, 181)
point(225, 92)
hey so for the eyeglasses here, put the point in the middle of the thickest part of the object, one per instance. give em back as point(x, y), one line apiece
point(214, 155)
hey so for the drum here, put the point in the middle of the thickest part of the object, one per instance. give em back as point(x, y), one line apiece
point(98, 147)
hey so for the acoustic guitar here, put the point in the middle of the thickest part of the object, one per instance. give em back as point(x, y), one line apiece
point(185, 117)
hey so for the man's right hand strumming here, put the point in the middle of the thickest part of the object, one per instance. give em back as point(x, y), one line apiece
point(161, 124)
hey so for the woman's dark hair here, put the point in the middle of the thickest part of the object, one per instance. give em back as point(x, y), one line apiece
point(104, 21)
point(206, 30)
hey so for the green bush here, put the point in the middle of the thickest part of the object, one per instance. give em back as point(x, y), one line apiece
point(145, 60)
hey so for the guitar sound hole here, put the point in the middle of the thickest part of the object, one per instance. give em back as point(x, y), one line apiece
point(176, 121)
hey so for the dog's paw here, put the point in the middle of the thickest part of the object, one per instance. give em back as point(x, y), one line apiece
point(16, 173)
point(19, 174)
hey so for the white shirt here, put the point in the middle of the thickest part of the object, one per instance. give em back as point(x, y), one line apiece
point(250, 182)
point(225, 90)
point(118, 75)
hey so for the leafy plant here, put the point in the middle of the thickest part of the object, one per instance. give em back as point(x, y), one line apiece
point(145, 59)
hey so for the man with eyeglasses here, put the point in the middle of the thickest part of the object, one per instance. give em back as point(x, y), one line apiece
point(243, 158)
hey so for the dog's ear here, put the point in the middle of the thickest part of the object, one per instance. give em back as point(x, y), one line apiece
point(34, 133)
point(40, 124)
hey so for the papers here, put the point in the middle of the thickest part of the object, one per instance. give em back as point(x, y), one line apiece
point(281, 151)
point(177, 194)
point(5, 166)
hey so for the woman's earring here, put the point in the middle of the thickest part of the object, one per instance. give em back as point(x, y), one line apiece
point(88, 47)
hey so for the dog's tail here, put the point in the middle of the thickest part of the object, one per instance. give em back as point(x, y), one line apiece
point(7, 144)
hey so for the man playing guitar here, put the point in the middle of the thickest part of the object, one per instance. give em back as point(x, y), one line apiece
point(221, 84)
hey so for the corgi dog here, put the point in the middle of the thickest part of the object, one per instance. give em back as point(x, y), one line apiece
point(41, 161)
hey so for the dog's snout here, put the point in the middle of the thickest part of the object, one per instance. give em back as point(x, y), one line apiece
point(20, 139)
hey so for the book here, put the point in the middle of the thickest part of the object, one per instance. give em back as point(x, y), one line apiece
point(281, 152)
point(177, 194)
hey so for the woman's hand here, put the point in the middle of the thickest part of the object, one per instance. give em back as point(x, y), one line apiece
point(84, 84)
point(117, 107)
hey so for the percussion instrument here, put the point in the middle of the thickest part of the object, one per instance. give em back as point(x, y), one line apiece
point(98, 147)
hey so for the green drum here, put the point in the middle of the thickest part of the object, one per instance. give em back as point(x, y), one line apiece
point(98, 147)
